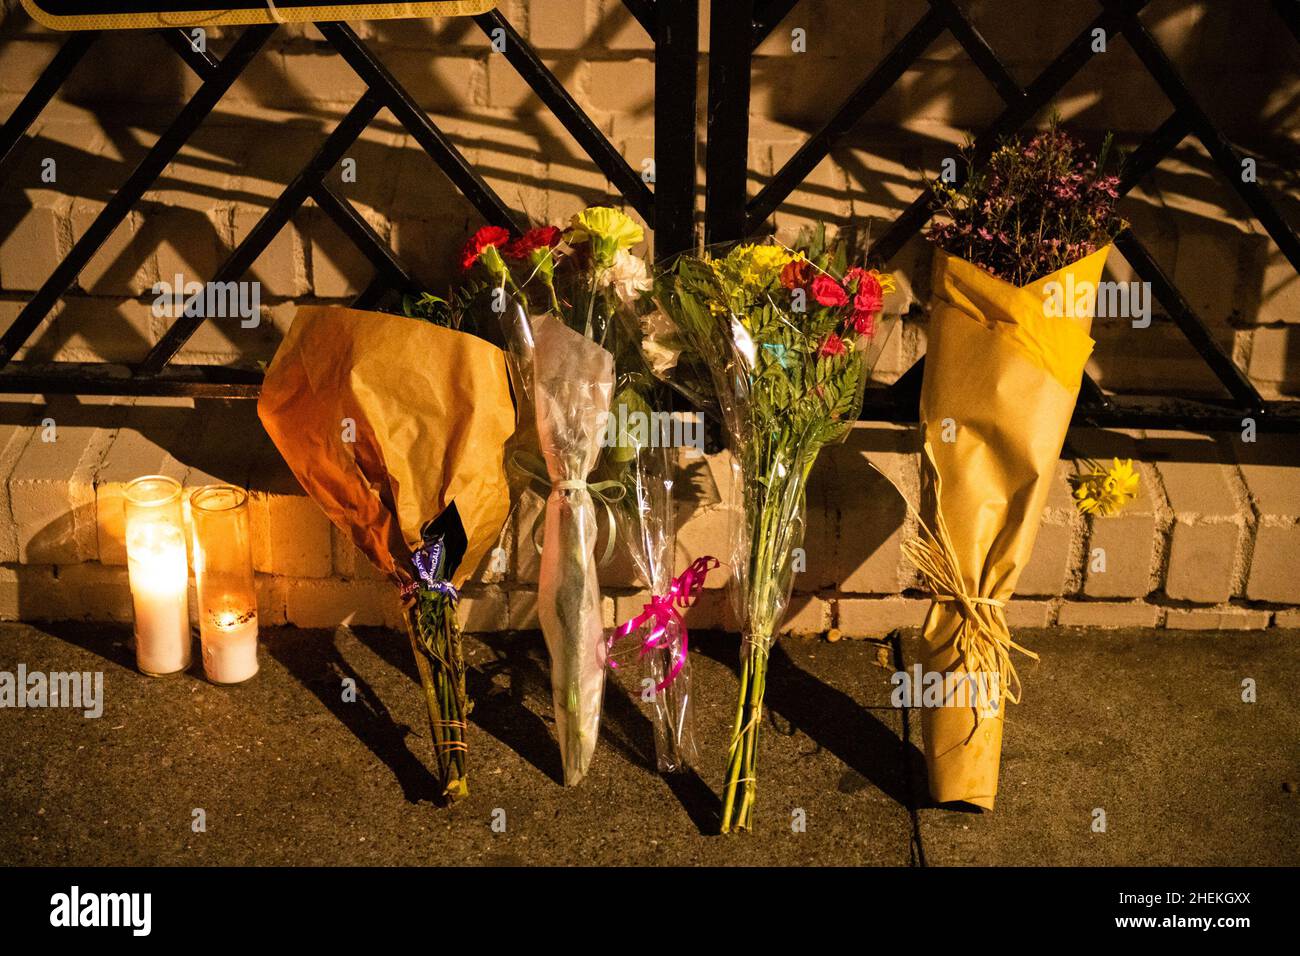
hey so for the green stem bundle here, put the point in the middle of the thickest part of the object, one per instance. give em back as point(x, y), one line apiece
point(742, 760)
point(775, 511)
point(434, 629)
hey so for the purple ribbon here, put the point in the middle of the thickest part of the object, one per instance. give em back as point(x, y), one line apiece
point(661, 609)
point(427, 561)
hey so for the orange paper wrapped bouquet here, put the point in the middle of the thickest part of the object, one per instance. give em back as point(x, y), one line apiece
point(396, 428)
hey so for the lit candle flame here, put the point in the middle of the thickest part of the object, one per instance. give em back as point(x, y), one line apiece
point(230, 619)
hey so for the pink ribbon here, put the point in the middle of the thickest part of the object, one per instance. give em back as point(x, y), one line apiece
point(661, 609)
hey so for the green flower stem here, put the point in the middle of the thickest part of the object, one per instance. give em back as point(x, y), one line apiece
point(774, 508)
point(742, 776)
point(436, 641)
point(736, 751)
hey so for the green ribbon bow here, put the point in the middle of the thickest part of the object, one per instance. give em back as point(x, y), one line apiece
point(608, 493)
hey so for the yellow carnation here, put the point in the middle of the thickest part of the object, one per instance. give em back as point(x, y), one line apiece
point(607, 229)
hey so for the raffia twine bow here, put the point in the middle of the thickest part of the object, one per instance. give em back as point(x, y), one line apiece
point(663, 608)
point(608, 493)
point(983, 641)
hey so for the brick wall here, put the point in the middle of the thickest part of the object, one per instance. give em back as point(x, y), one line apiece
point(1207, 546)
point(1209, 543)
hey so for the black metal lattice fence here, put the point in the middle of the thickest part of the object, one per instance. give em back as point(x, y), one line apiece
point(731, 214)
point(670, 207)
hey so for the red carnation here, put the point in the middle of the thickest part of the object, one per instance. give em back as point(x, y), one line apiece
point(870, 296)
point(795, 274)
point(487, 236)
point(542, 237)
point(828, 292)
point(834, 345)
point(864, 323)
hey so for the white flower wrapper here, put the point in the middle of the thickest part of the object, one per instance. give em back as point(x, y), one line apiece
point(573, 382)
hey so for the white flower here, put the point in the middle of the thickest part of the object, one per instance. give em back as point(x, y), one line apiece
point(660, 337)
point(627, 275)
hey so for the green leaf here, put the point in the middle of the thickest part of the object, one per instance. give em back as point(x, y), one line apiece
point(634, 419)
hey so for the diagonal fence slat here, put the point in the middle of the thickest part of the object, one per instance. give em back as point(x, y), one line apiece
point(644, 12)
point(978, 49)
point(269, 226)
point(988, 63)
point(201, 62)
point(767, 14)
point(340, 210)
point(1182, 314)
point(1149, 154)
point(941, 14)
point(818, 146)
point(416, 122)
point(43, 90)
point(1152, 150)
point(1223, 153)
point(1092, 400)
point(672, 23)
point(363, 236)
point(566, 109)
point(1136, 167)
point(371, 294)
point(898, 402)
point(737, 29)
point(1046, 85)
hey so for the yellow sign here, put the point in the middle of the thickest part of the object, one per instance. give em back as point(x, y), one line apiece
point(152, 14)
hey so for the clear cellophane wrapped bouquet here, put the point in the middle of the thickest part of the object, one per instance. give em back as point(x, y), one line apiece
point(780, 341)
point(646, 458)
point(558, 295)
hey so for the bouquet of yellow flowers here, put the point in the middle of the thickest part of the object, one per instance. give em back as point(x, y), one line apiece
point(780, 341)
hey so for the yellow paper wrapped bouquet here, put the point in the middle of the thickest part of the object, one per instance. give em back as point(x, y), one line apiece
point(1021, 248)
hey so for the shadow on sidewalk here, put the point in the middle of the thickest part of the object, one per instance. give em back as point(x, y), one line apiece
point(697, 798)
point(797, 701)
point(320, 667)
point(112, 642)
point(499, 689)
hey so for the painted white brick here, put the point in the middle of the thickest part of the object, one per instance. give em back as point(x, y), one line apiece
point(52, 489)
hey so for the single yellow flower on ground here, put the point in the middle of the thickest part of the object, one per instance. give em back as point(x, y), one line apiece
point(1106, 492)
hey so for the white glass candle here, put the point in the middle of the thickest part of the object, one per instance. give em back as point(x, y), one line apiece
point(229, 645)
point(223, 570)
point(158, 572)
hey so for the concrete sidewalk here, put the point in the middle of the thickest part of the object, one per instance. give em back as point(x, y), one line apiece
point(1148, 727)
